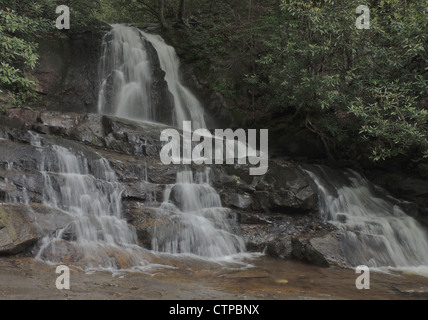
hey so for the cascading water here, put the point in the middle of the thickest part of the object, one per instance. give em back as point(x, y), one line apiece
point(126, 73)
point(127, 78)
point(186, 105)
point(376, 231)
point(192, 220)
point(89, 192)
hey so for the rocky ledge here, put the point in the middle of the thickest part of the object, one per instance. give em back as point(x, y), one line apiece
point(276, 213)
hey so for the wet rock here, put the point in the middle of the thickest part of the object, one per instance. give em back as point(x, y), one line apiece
point(21, 226)
point(307, 197)
point(281, 247)
point(322, 251)
point(143, 219)
point(414, 190)
point(22, 118)
point(241, 201)
point(20, 179)
point(261, 201)
point(69, 233)
point(418, 292)
point(142, 191)
point(305, 238)
point(60, 120)
point(120, 135)
point(284, 188)
point(270, 197)
point(63, 252)
point(263, 232)
point(67, 72)
point(138, 139)
point(256, 236)
point(16, 231)
point(266, 205)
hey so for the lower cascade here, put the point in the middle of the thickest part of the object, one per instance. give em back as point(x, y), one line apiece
point(192, 220)
point(87, 189)
point(375, 230)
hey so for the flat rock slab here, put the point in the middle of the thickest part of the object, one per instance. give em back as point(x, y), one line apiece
point(21, 226)
point(322, 251)
point(16, 230)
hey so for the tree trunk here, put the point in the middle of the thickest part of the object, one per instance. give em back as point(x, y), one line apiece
point(162, 14)
point(181, 11)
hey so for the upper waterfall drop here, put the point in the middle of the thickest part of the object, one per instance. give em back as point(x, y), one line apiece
point(127, 78)
point(186, 105)
point(126, 73)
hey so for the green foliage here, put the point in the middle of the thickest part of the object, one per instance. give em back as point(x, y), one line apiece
point(123, 11)
point(22, 23)
point(305, 59)
point(356, 86)
point(138, 11)
point(16, 50)
point(393, 121)
point(83, 13)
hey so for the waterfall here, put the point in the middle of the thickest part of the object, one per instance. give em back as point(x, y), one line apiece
point(88, 190)
point(126, 70)
point(126, 73)
point(376, 231)
point(186, 105)
point(192, 220)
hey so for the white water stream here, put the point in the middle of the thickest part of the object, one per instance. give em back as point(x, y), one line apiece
point(127, 77)
point(192, 220)
point(89, 192)
point(376, 230)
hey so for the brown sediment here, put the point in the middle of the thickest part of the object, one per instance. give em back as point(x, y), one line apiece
point(272, 279)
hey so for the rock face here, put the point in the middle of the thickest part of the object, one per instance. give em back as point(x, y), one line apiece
point(66, 76)
point(277, 212)
point(16, 232)
point(21, 226)
point(321, 251)
point(285, 188)
point(412, 189)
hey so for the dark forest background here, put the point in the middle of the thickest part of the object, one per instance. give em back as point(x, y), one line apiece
point(299, 68)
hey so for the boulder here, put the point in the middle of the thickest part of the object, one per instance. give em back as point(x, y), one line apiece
point(285, 188)
point(143, 219)
point(17, 233)
point(21, 226)
point(322, 251)
point(282, 247)
point(241, 201)
point(22, 118)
